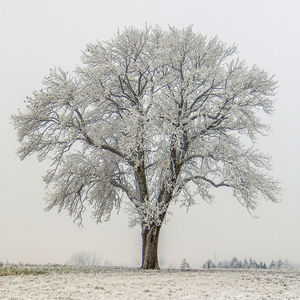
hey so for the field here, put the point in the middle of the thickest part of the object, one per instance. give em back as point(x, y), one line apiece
point(57, 282)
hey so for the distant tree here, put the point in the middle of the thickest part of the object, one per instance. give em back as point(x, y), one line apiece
point(279, 264)
point(184, 264)
point(264, 266)
point(162, 262)
point(107, 263)
point(235, 263)
point(272, 264)
point(245, 264)
point(287, 264)
point(227, 264)
point(253, 264)
point(84, 259)
point(151, 117)
point(209, 264)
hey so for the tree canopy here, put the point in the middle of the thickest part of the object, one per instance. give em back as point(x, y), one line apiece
point(150, 117)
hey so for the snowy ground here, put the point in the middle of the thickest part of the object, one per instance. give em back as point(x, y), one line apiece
point(118, 283)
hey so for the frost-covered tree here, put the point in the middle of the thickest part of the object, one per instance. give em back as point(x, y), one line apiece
point(209, 264)
point(272, 264)
point(184, 265)
point(236, 263)
point(253, 264)
point(262, 265)
point(84, 259)
point(279, 263)
point(245, 264)
point(151, 117)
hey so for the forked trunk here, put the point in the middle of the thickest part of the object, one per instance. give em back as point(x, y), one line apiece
point(150, 246)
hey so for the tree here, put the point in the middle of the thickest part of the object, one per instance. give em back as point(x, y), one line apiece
point(253, 264)
point(162, 262)
point(151, 117)
point(245, 264)
point(84, 259)
point(235, 263)
point(209, 264)
point(272, 264)
point(279, 264)
point(184, 265)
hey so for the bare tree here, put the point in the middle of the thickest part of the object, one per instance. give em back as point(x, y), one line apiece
point(84, 259)
point(151, 117)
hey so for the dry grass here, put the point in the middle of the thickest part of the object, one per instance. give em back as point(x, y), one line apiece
point(17, 270)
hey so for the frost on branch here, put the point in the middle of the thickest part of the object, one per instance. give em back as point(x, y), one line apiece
point(150, 117)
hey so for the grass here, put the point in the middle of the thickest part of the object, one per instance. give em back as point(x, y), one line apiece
point(28, 269)
point(18, 270)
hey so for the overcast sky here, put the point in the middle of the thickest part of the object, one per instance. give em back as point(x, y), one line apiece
point(37, 35)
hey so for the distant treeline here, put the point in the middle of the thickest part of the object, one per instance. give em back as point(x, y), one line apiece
point(236, 263)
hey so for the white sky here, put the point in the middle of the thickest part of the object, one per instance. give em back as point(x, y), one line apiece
point(37, 35)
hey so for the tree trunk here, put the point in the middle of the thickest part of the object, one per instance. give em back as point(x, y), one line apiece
point(150, 246)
